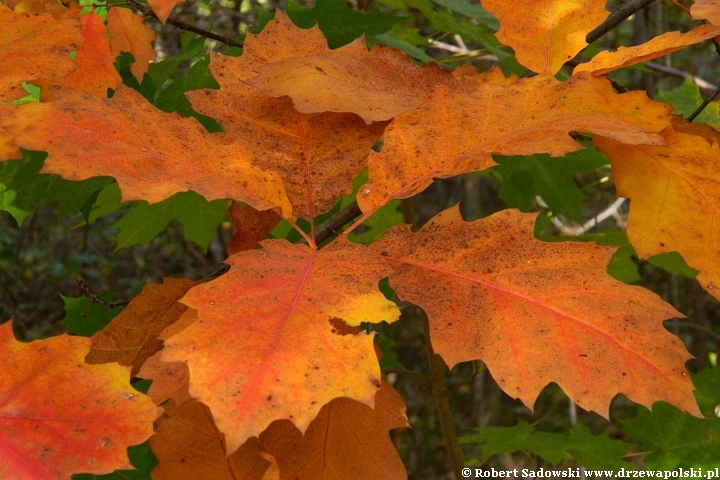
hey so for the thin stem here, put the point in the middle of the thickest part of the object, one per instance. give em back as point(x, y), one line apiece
point(701, 83)
point(308, 240)
point(438, 371)
point(617, 16)
point(148, 12)
point(703, 105)
point(95, 299)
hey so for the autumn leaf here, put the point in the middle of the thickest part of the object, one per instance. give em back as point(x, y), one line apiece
point(706, 10)
point(95, 72)
point(273, 310)
point(377, 85)
point(60, 416)
point(664, 44)
point(34, 47)
point(169, 380)
point(132, 336)
point(188, 445)
point(279, 40)
point(457, 129)
point(538, 312)
point(317, 156)
point(249, 226)
point(674, 196)
point(546, 33)
point(163, 8)
point(347, 440)
point(129, 34)
point(151, 154)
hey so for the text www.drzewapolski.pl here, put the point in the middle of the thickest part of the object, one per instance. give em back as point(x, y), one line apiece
point(577, 473)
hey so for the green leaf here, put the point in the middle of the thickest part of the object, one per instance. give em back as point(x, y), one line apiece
point(200, 219)
point(707, 394)
point(527, 177)
point(24, 189)
point(412, 51)
point(686, 99)
point(674, 438)
point(388, 360)
point(32, 96)
point(172, 98)
point(339, 23)
point(596, 452)
point(84, 317)
point(141, 457)
point(673, 263)
point(472, 10)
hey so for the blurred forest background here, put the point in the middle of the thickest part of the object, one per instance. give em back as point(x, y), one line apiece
point(42, 259)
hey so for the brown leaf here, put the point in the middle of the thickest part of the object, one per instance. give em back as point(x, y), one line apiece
point(132, 337)
point(169, 380)
point(538, 312)
point(249, 226)
point(347, 440)
point(317, 156)
point(189, 446)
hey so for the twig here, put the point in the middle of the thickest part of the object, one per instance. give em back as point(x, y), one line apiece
point(702, 106)
point(95, 299)
point(616, 17)
point(148, 12)
point(580, 229)
point(331, 226)
point(441, 395)
point(703, 84)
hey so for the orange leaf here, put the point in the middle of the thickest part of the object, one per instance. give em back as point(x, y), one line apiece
point(60, 416)
point(458, 129)
point(95, 71)
point(538, 312)
point(263, 348)
point(249, 226)
point(188, 445)
point(377, 85)
point(675, 196)
point(546, 33)
point(151, 154)
point(162, 8)
point(169, 380)
point(32, 47)
point(279, 40)
point(317, 156)
point(132, 337)
point(706, 10)
point(348, 439)
point(664, 44)
point(129, 34)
